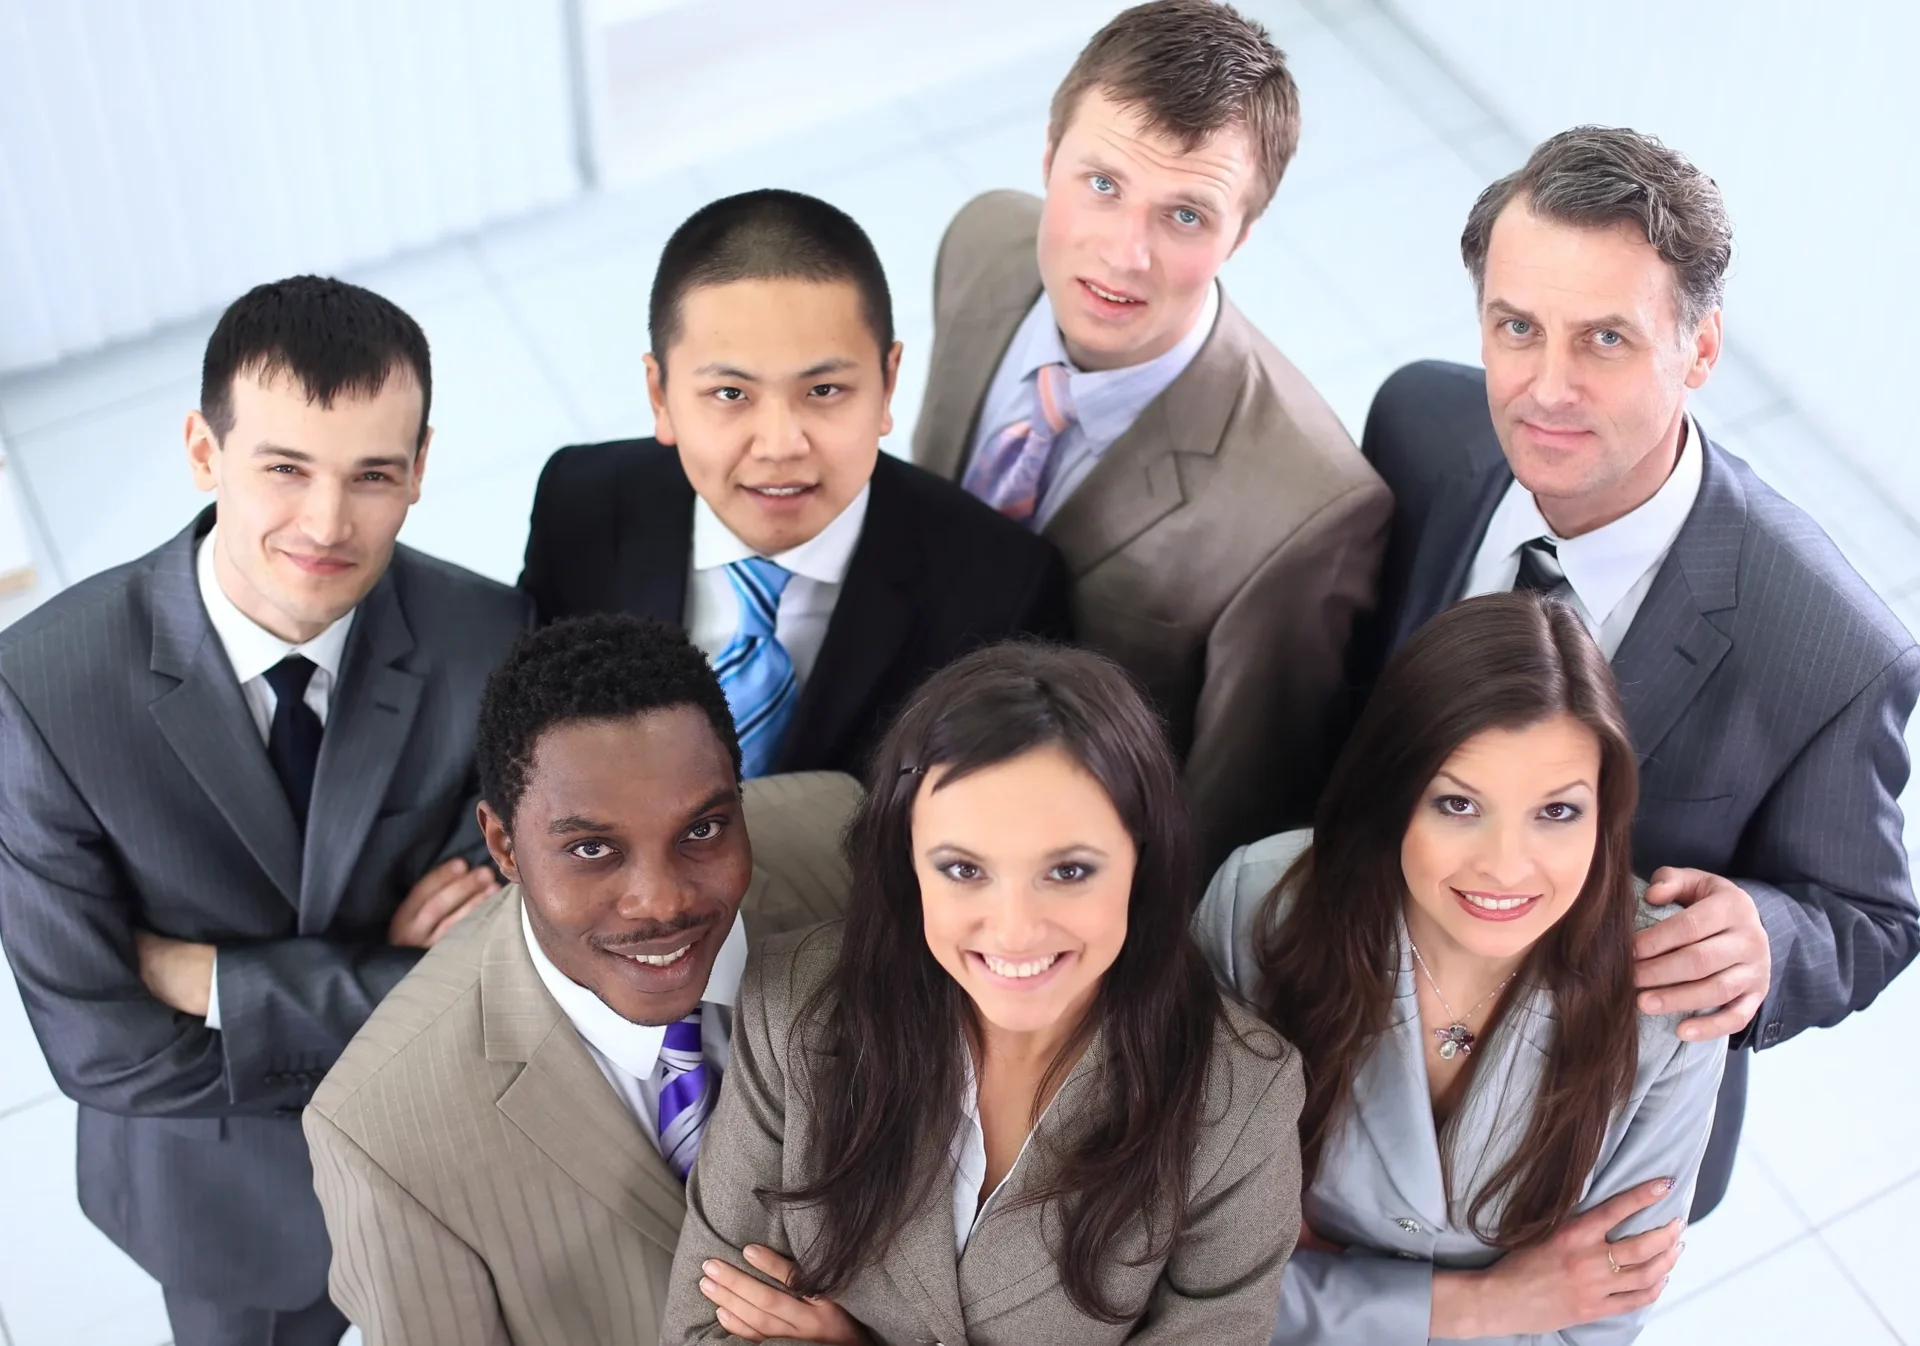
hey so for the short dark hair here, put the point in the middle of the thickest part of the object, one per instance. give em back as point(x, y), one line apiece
point(334, 338)
point(604, 667)
point(1192, 67)
point(1597, 176)
point(770, 234)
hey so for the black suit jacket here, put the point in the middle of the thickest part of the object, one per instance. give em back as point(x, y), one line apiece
point(935, 574)
point(135, 793)
point(1766, 686)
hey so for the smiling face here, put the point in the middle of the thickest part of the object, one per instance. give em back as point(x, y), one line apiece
point(776, 393)
point(1500, 844)
point(1025, 875)
point(632, 852)
point(1588, 367)
point(310, 498)
point(1134, 230)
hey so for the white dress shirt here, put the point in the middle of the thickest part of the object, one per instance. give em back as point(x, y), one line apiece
point(628, 1053)
point(1106, 402)
point(1610, 569)
point(251, 650)
point(969, 1153)
point(819, 568)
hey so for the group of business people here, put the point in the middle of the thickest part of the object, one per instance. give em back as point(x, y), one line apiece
point(781, 917)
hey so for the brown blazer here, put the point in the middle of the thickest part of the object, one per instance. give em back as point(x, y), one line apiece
point(481, 1180)
point(1220, 1284)
point(1220, 549)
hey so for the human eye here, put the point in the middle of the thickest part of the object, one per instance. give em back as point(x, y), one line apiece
point(1188, 216)
point(1608, 338)
point(1516, 327)
point(375, 476)
point(729, 394)
point(1560, 812)
point(1072, 871)
point(824, 390)
point(706, 829)
point(1455, 806)
point(1102, 184)
point(962, 871)
point(590, 850)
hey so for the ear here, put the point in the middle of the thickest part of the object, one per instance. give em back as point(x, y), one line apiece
point(420, 466)
point(499, 841)
point(891, 367)
point(1046, 164)
point(203, 452)
point(657, 397)
point(1706, 350)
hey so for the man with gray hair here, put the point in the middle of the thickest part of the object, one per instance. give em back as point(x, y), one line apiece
point(1766, 686)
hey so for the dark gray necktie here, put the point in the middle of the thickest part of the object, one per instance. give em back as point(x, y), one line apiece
point(293, 741)
point(1540, 570)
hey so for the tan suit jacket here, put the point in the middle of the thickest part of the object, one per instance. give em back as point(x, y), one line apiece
point(1220, 1284)
point(1219, 550)
point(482, 1182)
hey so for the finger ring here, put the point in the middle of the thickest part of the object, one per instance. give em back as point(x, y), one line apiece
point(1610, 1262)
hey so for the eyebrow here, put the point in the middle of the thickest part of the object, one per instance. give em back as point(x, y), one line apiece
point(1576, 783)
point(1059, 853)
point(576, 822)
point(266, 449)
point(831, 365)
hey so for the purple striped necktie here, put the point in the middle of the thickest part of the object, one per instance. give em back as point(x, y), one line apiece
point(689, 1087)
point(1010, 473)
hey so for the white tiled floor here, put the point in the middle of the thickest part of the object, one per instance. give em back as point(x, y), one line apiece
point(538, 328)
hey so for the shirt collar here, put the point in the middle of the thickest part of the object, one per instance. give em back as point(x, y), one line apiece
point(824, 557)
point(1106, 402)
point(1603, 565)
point(634, 1048)
point(251, 648)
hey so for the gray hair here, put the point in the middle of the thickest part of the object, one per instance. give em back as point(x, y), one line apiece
point(1596, 176)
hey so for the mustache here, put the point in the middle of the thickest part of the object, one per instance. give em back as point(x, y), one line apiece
point(654, 931)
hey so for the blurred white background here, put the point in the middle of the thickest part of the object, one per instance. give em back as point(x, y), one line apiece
point(508, 170)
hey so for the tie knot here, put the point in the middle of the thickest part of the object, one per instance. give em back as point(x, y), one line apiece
point(289, 678)
point(1540, 568)
point(759, 584)
point(1055, 397)
point(683, 1035)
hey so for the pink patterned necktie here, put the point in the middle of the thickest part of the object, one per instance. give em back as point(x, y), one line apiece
point(1010, 473)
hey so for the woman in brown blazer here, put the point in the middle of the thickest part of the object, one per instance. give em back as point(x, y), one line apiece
point(1003, 1101)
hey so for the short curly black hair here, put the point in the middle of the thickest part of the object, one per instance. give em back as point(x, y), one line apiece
point(602, 667)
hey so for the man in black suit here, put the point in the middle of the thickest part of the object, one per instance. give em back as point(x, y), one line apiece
point(237, 799)
point(1766, 686)
point(823, 577)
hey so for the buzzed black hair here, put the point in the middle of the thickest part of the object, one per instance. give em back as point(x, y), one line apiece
point(333, 338)
point(768, 234)
point(605, 667)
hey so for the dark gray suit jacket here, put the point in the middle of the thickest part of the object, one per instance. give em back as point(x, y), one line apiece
point(1766, 686)
point(135, 793)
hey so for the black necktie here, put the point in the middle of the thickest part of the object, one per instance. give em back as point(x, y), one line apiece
point(1540, 569)
point(293, 743)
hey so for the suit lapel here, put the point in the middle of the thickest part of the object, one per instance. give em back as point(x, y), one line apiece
point(921, 1260)
point(1489, 1128)
point(1393, 1108)
point(560, 1101)
point(369, 721)
point(871, 621)
point(982, 320)
point(205, 719)
point(1457, 520)
point(1671, 648)
point(655, 548)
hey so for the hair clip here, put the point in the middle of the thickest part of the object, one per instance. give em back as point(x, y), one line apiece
point(913, 771)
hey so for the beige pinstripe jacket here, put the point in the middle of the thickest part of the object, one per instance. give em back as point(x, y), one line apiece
point(482, 1183)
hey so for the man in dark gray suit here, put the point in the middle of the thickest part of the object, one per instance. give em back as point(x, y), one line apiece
point(237, 799)
point(1767, 687)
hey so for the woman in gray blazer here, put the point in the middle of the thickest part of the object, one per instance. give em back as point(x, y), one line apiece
point(1005, 1100)
point(1497, 1144)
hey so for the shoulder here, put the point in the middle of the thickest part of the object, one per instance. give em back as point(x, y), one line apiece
point(785, 972)
point(1224, 924)
point(795, 823)
point(1255, 1085)
point(992, 222)
point(1429, 418)
point(583, 479)
point(424, 1036)
point(111, 610)
point(948, 523)
point(1662, 1050)
point(450, 601)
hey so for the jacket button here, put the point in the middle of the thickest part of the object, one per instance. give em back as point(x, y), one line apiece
point(1409, 1225)
point(1771, 1034)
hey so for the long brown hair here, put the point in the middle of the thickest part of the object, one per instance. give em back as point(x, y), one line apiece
point(1328, 967)
point(891, 1070)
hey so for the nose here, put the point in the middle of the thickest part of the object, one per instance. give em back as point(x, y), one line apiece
point(1123, 246)
point(1015, 923)
point(1553, 384)
point(323, 513)
point(653, 892)
point(779, 435)
point(1504, 859)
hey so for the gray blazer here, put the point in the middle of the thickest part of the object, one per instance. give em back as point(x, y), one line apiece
point(1379, 1189)
point(1218, 1285)
point(135, 793)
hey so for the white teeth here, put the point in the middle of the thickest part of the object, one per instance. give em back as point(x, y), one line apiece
point(1110, 296)
point(1494, 903)
point(660, 959)
point(1001, 967)
point(780, 490)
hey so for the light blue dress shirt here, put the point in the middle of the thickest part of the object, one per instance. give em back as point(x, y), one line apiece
point(1106, 402)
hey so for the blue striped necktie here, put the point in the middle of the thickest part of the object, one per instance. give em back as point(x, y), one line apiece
point(755, 670)
point(689, 1087)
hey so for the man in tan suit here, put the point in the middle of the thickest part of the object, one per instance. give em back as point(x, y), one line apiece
point(1091, 379)
point(501, 1152)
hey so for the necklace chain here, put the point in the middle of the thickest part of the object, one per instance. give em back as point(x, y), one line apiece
point(1460, 1019)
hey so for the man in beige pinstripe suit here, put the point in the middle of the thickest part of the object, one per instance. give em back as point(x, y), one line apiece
point(500, 1153)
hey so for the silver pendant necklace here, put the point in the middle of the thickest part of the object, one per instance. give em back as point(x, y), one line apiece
point(1455, 1040)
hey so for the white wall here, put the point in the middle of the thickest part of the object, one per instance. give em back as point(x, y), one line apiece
point(159, 158)
point(1807, 115)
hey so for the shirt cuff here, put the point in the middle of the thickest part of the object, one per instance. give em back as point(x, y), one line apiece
point(213, 995)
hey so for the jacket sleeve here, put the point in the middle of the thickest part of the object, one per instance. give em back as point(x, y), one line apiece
point(542, 576)
point(1839, 913)
point(398, 1273)
point(1223, 1281)
point(742, 1150)
point(1272, 706)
